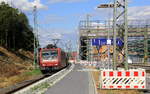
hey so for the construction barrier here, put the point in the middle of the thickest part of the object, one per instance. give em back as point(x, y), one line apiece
point(123, 79)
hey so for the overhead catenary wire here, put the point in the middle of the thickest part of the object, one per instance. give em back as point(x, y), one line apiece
point(61, 43)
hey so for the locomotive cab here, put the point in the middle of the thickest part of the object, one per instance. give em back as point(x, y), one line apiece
point(49, 58)
point(52, 59)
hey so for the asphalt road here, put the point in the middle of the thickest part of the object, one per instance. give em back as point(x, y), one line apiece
point(76, 82)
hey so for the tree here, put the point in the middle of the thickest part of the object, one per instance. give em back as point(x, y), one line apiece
point(15, 31)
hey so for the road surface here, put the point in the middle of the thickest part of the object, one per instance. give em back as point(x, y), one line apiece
point(76, 82)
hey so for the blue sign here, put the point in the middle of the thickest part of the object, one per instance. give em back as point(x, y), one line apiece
point(103, 41)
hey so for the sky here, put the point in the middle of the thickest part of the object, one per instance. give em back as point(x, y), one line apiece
point(60, 18)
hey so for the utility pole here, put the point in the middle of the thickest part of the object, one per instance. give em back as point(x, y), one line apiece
point(114, 34)
point(126, 33)
point(88, 39)
point(116, 17)
point(36, 43)
point(146, 45)
point(11, 2)
point(70, 48)
point(78, 47)
point(13, 35)
point(114, 6)
point(108, 45)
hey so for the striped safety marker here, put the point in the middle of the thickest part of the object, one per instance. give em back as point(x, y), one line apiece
point(123, 79)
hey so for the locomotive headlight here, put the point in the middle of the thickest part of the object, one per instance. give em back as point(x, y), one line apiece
point(43, 64)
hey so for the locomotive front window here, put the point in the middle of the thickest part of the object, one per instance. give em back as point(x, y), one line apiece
point(49, 55)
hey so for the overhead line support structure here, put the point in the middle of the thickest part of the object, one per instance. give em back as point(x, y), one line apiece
point(88, 39)
point(36, 41)
point(114, 34)
point(116, 17)
point(126, 33)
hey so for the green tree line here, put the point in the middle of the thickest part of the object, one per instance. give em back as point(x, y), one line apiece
point(15, 31)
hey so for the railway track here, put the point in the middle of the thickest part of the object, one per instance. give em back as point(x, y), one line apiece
point(21, 85)
point(143, 66)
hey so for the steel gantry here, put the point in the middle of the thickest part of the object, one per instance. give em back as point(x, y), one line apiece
point(123, 6)
point(119, 10)
point(133, 34)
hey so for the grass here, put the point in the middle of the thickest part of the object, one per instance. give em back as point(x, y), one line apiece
point(119, 92)
point(33, 72)
point(26, 75)
point(42, 86)
point(16, 67)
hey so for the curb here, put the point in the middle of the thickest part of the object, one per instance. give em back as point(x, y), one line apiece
point(42, 85)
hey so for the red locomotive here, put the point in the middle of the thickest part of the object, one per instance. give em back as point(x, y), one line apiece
point(52, 59)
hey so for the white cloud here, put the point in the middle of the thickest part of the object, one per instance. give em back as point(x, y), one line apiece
point(142, 12)
point(47, 34)
point(70, 1)
point(56, 36)
point(25, 5)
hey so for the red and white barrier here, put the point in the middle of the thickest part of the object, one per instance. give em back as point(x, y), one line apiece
point(123, 79)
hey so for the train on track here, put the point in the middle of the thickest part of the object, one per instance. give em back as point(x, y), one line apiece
point(51, 59)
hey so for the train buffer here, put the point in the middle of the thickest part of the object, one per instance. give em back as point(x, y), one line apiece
point(76, 82)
